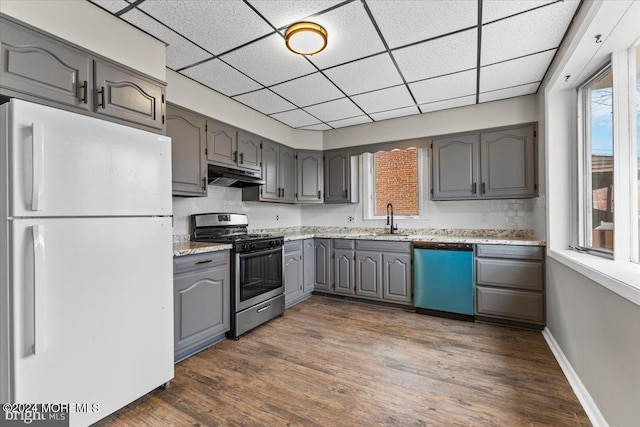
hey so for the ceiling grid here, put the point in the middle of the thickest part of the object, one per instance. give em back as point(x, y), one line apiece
point(384, 58)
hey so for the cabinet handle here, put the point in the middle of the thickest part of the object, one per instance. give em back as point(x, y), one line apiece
point(205, 261)
point(101, 93)
point(483, 188)
point(346, 194)
point(473, 188)
point(319, 195)
point(84, 92)
point(204, 183)
point(241, 158)
point(235, 156)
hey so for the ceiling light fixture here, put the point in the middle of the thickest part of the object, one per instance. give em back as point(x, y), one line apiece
point(306, 38)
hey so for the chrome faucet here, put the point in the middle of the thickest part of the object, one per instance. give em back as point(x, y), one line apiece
point(392, 228)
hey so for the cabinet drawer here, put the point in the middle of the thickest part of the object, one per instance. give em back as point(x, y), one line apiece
point(510, 304)
point(373, 245)
point(508, 273)
point(293, 246)
point(510, 251)
point(186, 263)
point(343, 244)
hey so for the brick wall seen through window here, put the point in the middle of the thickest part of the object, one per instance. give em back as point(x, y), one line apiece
point(396, 182)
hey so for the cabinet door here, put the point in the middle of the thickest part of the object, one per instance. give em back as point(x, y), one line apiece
point(270, 153)
point(293, 275)
point(455, 167)
point(507, 158)
point(122, 95)
point(310, 175)
point(222, 147)
point(249, 153)
point(343, 271)
point(337, 178)
point(510, 304)
point(323, 264)
point(308, 257)
point(36, 65)
point(201, 306)
point(369, 274)
point(287, 174)
point(397, 278)
point(188, 158)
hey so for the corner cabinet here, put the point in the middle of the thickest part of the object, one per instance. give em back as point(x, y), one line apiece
point(299, 269)
point(188, 147)
point(340, 177)
point(278, 173)
point(40, 67)
point(485, 165)
point(201, 301)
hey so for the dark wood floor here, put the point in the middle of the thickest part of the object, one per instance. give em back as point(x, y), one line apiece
point(329, 362)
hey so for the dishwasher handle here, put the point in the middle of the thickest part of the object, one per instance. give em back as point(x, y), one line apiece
point(444, 246)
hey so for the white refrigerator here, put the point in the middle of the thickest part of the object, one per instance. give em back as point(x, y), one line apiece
point(86, 306)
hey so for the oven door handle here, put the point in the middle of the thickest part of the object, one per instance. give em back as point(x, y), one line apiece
point(260, 253)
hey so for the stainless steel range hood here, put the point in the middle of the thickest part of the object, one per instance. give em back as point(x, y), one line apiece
point(230, 177)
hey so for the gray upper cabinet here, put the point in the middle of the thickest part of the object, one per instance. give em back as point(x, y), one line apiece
point(508, 163)
point(270, 191)
point(309, 273)
point(121, 95)
point(222, 144)
point(287, 174)
point(188, 144)
point(278, 173)
point(455, 167)
point(322, 258)
point(34, 64)
point(368, 274)
point(490, 165)
point(310, 177)
point(340, 174)
point(40, 67)
point(249, 153)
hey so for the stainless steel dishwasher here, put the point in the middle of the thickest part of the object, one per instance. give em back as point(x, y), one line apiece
point(443, 279)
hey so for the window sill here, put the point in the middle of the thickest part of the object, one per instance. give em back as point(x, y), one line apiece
point(623, 278)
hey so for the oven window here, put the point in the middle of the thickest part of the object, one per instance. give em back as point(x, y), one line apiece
point(259, 273)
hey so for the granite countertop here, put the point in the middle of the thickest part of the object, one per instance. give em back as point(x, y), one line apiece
point(182, 246)
point(493, 237)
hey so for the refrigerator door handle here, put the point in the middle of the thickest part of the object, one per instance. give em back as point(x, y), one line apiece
point(37, 166)
point(39, 288)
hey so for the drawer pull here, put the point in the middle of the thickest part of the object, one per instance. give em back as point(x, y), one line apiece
point(204, 262)
point(260, 310)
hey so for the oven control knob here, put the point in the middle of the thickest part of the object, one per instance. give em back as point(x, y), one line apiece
point(252, 246)
point(245, 247)
point(272, 243)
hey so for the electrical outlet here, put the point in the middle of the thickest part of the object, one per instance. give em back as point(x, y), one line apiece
point(277, 217)
point(351, 219)
point(484, 218)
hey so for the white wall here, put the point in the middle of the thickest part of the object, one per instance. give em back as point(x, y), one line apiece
point(86, 25)
point(523, 109)
point(189, 94)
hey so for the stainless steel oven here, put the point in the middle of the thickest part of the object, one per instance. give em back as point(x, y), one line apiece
point(257, 288)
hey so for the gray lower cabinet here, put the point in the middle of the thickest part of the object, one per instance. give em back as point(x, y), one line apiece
point(368, 267)
point(188, 144)
point(340, 177)
point(323, 265)
point(310, 177)
point(396, 280)
point(201, 301)
point(293, 271)
point(510, 284)
point(491, 164)
point(343, 271)
point(309, 273)
point(40, 67)
point(383, 271)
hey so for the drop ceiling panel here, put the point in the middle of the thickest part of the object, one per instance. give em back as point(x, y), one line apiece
point(307, 90)
point(334, 110)
point(221, 77)
point(448, 103)
point(517, 72)
point(440, 56)
point(217, 26)
point(296, 118)
point(357, 77)
point(350, 122)
point(112, 6)
point(385, 99)
point(286, 12)
point(321, 126)
point(404, 22)
point(268, 61)
point(509, 92)
point(535, 31)
point(350, 35)
point(180, 51)
point(265, 101)
point(439, 88)
point(400, 112)
point(497, 9)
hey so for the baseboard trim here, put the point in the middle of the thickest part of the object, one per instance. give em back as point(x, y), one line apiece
point(581, 392)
